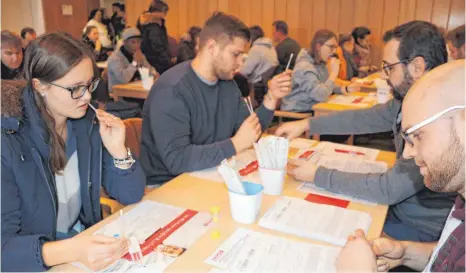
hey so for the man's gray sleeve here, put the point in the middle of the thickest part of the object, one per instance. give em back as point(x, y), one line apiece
point(389, 188)
point(379, 118)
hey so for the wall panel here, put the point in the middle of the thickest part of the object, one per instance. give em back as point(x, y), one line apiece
point(304, 17)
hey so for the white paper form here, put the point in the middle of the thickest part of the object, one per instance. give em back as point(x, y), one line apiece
point(240, 161)
point(156, 225)
point(347, 151)
point(302, 143)
point(251, 251)
point(355, 101)
point(314, 221)
point(310, 187)
point(348, 165)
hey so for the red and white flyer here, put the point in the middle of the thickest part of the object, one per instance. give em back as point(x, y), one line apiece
point(163, 232)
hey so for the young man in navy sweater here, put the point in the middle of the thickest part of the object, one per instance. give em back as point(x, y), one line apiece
point(194, 116)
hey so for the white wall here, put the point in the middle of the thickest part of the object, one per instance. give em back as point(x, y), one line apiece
point(17, 14)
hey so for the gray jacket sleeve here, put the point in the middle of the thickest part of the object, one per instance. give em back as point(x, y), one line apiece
point(122, 71)
point(379, 118)
point(170, 124)
point(397, 184)
point(310, 84)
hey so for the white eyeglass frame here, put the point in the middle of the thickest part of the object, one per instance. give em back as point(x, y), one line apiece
point(432, 119)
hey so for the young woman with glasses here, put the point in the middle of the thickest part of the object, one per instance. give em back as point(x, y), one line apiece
point(315, 75)
point(56, 155)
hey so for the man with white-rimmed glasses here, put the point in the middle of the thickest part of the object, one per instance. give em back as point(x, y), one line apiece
point(434, 130)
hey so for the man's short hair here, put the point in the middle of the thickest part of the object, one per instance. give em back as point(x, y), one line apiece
point(158, 6)
point(256, 32)
point(27, 30)
point(419, 39)
point(9, 38)
point(456, 36)
point(221, 26)
point(281, 26)
point(360, 33)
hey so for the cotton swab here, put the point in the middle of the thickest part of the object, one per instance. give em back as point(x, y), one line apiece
point(92, 107)
point(289, 62)
point(248, 106)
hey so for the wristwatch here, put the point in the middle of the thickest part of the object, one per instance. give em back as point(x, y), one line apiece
point(126, 162)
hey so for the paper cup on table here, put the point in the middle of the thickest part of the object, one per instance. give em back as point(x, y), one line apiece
point(147, 83)
point(272, 180)
point(246, 208)
point(383, 90)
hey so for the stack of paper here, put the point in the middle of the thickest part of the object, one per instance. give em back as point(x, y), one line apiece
point(250, 251)
point(272, 152)
point(314, 221)
point(355, 101)
point(348, 165)
point(347, 151)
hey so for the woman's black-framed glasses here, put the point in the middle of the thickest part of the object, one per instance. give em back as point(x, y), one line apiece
point(387, 67)
point(78, 91)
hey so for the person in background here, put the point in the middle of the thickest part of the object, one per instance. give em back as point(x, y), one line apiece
point(416, 213)
point(27, 35)
point(438, 100)
point(12, 55)
point(118, 19)
point(194, 117)
point(154, 36)
point(91, 39)
point(173, 48)
point(362, 51)
point(56, 155)
point(189, 45)
point(123, 64)
point(284, 46)
point(95, 19)
point(455, 42)
point(313, 80)
point(262, 58)
point(348, 68)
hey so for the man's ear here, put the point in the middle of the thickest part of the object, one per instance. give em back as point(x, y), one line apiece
point(211, 45)
point(417, 68)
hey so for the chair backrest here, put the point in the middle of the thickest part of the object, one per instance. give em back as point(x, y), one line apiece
point(268, 75)
point(133, 135)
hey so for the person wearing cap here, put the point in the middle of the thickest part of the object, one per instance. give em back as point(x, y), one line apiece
point(123, 64)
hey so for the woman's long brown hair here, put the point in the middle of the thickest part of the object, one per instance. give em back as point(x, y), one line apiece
point(49, 58)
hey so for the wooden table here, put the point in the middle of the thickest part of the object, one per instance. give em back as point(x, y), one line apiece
point(325, 108)
point(190, 192)
point(129, 90)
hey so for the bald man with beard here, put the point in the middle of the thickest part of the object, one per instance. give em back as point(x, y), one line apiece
point(433, 127)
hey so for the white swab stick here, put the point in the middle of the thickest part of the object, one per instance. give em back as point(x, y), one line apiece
point(92, 107)
point(250, 104)
point(289, 62)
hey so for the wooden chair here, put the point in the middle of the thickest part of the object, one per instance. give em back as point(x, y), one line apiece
point(133, 142)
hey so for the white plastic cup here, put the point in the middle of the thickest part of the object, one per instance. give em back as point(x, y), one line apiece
point(147, 82)
point(246, 208)
point(383, 95)
point(272, 180)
